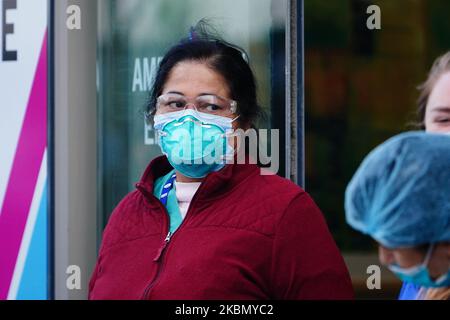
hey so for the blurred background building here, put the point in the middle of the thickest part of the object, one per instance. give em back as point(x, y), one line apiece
point(74, 140)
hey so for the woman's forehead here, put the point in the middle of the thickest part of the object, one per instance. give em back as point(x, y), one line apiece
point(440, 95)
point(191, 78)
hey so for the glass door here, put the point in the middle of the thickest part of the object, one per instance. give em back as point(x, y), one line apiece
point(133, 35)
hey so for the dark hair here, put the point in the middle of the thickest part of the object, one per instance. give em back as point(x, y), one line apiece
point(226, 59)
point(440, 66)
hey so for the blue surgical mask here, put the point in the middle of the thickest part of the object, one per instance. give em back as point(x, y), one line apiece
point(195, 143)
point(420, 275)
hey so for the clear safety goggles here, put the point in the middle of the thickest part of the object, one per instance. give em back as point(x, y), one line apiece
point(209, 104)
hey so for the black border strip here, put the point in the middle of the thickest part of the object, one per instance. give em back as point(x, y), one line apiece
point(51, 150)
point(300, 95)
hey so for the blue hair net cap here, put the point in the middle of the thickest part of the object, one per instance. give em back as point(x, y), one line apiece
point(400, 195)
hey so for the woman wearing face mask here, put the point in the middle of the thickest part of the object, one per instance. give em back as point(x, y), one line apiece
point(433, 116)
point(400, 197)
point(200, 226)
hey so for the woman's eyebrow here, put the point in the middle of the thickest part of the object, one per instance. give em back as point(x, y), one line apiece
point(176, 92)
point(201, 94)
point(441, 109)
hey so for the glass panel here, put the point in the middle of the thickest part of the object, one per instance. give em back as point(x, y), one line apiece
point(133, 36)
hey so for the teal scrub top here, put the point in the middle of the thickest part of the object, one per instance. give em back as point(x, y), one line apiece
point(172, 207)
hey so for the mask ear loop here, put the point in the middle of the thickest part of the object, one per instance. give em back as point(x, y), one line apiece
point(443, 277)
point(230, 134)
point(427, 260)
point(394, 267)
point(428, 255)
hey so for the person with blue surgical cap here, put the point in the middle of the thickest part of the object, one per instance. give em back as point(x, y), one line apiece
point(433, 115)
point(400, 196)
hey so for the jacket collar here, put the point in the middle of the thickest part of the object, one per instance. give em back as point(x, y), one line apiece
point(213, 185)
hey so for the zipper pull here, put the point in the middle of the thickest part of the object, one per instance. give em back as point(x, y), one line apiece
point(161, 249)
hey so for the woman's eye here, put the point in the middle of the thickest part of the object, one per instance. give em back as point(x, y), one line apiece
point(443, 120)
point(176, 104)
point(213, 107)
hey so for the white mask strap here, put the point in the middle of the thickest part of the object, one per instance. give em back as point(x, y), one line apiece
point(236, 118)
point(428, 255)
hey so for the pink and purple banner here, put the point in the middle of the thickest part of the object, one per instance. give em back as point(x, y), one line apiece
point(23, 154)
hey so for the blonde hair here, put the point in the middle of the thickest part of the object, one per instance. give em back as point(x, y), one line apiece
point(440, 66)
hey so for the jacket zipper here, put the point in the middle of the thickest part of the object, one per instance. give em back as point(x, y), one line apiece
point(161, 249)
point(159, 258)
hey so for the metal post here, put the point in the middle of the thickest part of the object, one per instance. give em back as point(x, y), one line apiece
point(75, 146)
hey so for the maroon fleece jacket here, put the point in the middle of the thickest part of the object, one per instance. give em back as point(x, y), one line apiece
point(245, 236)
